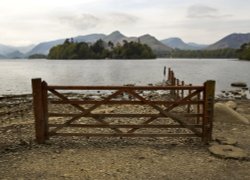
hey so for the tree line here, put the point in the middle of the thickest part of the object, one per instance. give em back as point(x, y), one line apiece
point(218, 53)
point(101, 50)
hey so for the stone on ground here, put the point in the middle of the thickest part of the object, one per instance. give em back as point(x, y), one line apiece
point(223, 113)
point(226, 141)
point(228, 151)
point(239, 84)
point(231, 104)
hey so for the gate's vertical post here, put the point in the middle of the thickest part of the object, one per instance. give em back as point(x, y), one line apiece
point(209, 91)
point(38, 110)
point(45, 108)
point(198, 108)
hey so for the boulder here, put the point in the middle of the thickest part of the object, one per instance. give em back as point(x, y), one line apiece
point(231, 104)
point(223, 113)
point(228, 151)
point(239, 84)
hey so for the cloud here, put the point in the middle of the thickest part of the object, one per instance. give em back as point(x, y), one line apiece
point(81, 21)
point(122, 18)
point(85, 21)
point(202, 11)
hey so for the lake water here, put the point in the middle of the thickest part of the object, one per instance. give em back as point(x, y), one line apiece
point(16, 75)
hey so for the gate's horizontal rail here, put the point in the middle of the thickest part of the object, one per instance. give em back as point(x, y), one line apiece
point(119, 115)
point(122, 135)
point(126, 125)
point(145, 88)
point(127, 102)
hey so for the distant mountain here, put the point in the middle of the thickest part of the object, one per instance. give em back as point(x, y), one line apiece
point(91, 38)
point(11, 52)
point(15, 55)
point(178, 43)
point(197, 46)
point(44, 47)
point(5, 49)
point(25, 49)
point(161, 48)
point(2, 56)
point(233, 41)
point(158, 47)
point(114, 37)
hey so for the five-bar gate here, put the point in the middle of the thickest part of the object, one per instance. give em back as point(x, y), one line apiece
point(161, 115)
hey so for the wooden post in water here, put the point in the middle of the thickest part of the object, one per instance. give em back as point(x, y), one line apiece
point(209, 91)
point(169, 74)
point(189, 106)
point(178, 84)
point(41, 117)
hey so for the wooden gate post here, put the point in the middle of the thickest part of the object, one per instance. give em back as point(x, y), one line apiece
point(45, 108)
point(209, 91)
point(41, 118)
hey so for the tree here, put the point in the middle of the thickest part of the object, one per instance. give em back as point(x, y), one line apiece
point(244, 51)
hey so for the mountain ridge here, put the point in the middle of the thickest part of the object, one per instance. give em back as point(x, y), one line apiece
point(115, 37)
point(161, 48)
point(234, 41)
point(178, 43)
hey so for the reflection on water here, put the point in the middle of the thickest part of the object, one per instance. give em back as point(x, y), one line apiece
point(16, 74)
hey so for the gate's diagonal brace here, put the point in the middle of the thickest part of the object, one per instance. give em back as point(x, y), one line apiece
point(85, 111)
point(165, 112)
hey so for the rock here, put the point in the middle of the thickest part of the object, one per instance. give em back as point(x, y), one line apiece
point(231, 104)
point(226, 141)
point(239, 84)
point(223, 113)
point(228, 151)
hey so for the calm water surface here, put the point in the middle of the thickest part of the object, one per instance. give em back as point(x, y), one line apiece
point(16, 75)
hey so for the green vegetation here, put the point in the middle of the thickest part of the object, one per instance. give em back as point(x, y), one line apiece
point(219, 53)
point(37, 56)
point(244, 52)
point(100, 50)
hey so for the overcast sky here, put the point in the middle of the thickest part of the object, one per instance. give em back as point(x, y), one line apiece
point(24, 22)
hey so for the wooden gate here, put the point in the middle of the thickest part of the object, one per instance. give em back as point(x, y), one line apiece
point(191, 109)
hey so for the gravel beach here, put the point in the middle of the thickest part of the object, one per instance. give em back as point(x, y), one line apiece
point(118, 158)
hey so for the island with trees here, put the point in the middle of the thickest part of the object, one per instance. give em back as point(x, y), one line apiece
point(101, 50)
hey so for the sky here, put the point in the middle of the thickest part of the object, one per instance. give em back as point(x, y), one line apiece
point(25, 22)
